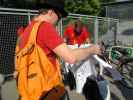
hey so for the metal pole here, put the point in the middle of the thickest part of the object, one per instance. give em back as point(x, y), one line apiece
point(106, 9)
point(29, 19)
point(116, 32)
point(61, 28)
point(96, 29)
point(90, 16)
point(16, 13)
point(20, 10)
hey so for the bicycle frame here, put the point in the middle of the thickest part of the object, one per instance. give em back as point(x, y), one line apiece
point(114, 54)
point(121, 56)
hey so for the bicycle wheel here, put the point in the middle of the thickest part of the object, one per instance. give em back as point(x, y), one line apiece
point(126, 71)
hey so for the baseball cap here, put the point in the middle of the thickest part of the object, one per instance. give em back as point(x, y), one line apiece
point(57, 5)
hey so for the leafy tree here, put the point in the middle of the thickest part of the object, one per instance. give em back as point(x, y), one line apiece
point(89, 7)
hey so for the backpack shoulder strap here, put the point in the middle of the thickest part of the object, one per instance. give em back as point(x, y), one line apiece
point(31, 40)
point(33, 33)
point(28, 47)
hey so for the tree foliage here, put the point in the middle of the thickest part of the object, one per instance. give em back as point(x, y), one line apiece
point(82, 6)
point(89, 7)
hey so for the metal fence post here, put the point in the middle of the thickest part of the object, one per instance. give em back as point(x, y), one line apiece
point(96, 26)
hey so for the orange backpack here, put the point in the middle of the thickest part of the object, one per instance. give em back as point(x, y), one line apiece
point(36, 74)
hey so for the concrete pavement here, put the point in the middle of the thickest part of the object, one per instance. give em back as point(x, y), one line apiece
point(118, 92)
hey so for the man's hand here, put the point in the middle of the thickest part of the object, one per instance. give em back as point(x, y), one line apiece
point(95, 49)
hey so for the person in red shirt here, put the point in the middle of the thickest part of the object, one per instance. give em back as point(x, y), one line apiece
point(50, 12)
point(76, 33)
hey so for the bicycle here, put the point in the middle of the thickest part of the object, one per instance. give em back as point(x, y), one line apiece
point(121, 56)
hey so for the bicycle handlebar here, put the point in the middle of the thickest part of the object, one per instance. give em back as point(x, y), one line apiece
point(121, 50)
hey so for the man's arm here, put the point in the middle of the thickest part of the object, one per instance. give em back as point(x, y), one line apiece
point(75, 55)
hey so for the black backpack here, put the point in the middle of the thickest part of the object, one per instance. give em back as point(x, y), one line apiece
point(91, 90)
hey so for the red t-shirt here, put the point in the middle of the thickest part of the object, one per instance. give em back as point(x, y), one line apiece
point(47, 38)
point(70, 35)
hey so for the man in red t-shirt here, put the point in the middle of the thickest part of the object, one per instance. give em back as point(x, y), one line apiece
point(76, 33)
point(48, 38)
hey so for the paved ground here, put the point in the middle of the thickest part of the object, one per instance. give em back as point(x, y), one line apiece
point(118, 92)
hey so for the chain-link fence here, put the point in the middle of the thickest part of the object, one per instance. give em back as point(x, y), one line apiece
point(10, 21)
point(122, 11)
point(100, 28)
